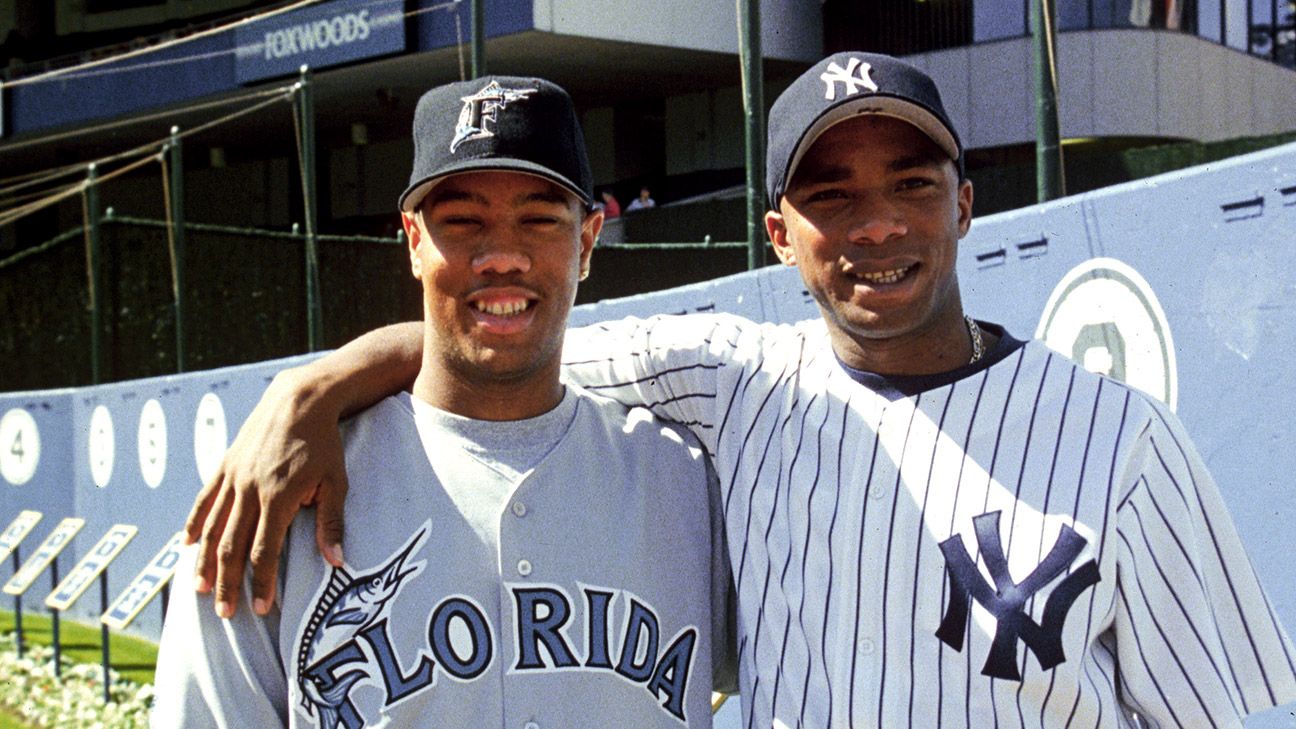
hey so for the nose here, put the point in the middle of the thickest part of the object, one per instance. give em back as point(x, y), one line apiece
point(501, 261)
point(876, 221)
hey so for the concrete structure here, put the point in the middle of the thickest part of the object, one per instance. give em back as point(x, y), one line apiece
point(658, 86)
point(1115, 83)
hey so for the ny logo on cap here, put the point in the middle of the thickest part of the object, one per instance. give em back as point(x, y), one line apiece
point(836, 74)
point(482, 108)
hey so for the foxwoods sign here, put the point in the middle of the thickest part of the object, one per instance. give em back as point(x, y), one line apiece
point(319, 36)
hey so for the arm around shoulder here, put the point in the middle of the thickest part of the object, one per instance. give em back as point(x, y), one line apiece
point(289, 453)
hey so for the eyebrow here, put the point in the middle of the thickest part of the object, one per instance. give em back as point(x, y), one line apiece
point(911, 161)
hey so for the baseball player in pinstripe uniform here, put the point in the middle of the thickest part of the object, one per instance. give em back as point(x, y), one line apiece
point(478, 591)
point(931, 523)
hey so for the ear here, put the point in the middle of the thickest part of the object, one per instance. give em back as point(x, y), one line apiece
point(776, 227)
point(964, 207)
point(415, 237)
point(590, 229)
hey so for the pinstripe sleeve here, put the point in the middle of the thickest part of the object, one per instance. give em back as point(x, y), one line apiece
point(668, 364)
point(1197, 642)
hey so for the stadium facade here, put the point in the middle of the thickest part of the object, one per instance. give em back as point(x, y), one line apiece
point(658, 85)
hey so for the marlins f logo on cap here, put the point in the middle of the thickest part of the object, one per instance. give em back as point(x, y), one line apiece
point(844, 85)
point(498, 123)
point(480, 110)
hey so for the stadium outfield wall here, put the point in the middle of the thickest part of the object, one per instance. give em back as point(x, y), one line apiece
point(1179, 284)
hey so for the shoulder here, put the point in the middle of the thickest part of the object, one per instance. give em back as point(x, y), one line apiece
point(394, 411)
point(1141, 430)
point(633, 429)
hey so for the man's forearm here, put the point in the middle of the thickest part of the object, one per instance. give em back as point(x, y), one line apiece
point(362, 372)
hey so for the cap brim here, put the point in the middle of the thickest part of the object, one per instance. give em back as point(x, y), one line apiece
point(414, 194)
point(901, 109)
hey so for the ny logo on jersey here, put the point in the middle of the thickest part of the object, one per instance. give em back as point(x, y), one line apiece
point(482, 109)
point(1006, 599)
point(846, 76)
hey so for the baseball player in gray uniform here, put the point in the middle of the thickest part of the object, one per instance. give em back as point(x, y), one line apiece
point(931, 523)
point(520, 553)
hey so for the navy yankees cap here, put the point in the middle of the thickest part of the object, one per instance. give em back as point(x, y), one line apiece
point(498, 123)
point(842, 86)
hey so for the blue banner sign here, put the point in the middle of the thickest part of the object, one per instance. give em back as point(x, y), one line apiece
point(46, 553)
point(319, 36)
point(146, 584)
point(17, 531)
point(91, 566)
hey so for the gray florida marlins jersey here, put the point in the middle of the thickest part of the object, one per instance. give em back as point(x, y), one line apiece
point(1019, 543)
point(597, 606)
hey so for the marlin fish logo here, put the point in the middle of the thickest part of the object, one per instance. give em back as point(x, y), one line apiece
point(481, 108)
point(346, 606)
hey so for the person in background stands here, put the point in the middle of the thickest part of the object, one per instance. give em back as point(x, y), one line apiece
point(643, 202)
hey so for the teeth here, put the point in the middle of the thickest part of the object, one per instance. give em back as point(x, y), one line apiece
point(503, 308)
point(884, 277)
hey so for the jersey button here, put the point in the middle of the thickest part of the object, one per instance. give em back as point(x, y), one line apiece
point(531, 725)
point(519, 509)
point(866, 646)
point(524, 567)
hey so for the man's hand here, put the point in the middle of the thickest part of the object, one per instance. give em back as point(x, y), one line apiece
point(287, 454)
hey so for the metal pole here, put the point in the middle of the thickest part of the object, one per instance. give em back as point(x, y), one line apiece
point(103, 634)
point(1049, 182)
point(314, 309)
point(478, 23)
point(54, 623)
point(176, 192)
point(749, 51)
point(18, 628)
point(1273, 30)
point(95, 263)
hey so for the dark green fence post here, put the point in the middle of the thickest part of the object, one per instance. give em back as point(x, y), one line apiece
point(1049, 183)
point(749, 49)
point(94, 265)
point(314, 308)
point(478, 23)
point(176, 193)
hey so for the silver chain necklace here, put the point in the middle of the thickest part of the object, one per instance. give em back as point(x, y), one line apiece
point(974, 331)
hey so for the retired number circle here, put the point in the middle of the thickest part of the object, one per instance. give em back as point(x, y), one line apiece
point(152, 439)
point(20, 446)
point(102, 446)
point(1105, 316)
point(210, 436)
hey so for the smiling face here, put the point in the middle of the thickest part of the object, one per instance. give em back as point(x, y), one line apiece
point(499, 255)
point(872, 218)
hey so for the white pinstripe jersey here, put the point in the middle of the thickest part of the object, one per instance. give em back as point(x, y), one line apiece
point(1088, 549)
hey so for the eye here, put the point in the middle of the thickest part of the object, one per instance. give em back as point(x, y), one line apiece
point(826, 194)
point(916, 182)
point(540, 220)
point(460, 220)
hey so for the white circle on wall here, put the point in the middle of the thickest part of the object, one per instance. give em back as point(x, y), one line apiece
point(1105, 316)
point(210, 436)
point(19, 446)
point(152, 443)
point(102, 446)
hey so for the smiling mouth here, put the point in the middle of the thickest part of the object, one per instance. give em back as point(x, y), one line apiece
point(889, 276)
point(503, 308)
